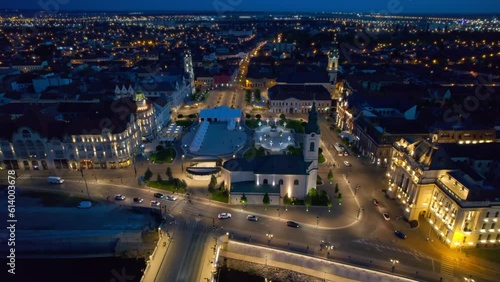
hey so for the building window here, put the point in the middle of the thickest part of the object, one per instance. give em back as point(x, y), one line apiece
point(492, 226)
point(296, 182)
point(265, 181)
point(311, 147)
point(280, 182)
point(483, 226)
point(26, 134)
point(496, 214)
point(488, 214)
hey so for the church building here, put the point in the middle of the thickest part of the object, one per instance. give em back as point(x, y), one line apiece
point(276, 175)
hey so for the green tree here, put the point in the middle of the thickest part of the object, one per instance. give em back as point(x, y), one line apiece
point(340, 197)
point(147, 175)
point(258, 116)
point(159, 179)
point(329, 204)
point(287, 201)
point(257, 95)
point(308, 201)
point(169, 174)
point(266, 200)
point(212, 184)
point(248, 97)
point(330, 175)
point(283, 117)
point(336, 188)
point(243, 199)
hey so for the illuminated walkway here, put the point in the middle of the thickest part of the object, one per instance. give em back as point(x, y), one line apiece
point(316, 267)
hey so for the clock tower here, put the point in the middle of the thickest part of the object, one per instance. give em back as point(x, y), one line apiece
point(333, 62)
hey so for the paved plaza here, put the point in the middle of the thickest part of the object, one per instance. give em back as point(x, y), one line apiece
point(218, 141)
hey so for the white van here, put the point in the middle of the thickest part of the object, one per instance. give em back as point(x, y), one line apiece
point(55, 180)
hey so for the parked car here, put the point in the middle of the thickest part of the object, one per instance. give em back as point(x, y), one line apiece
point(119, 197)
point(171, 198)
point(376, 203)
point(326, 245)
point(386, 216)
point(138, 200)
point(347, 163)
point(292, 224)
point(400, 234)
point(224, 215)
point(252, 217)
point(155, 203)
point(159, 195)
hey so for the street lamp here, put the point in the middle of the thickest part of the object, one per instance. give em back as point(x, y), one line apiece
point(394, 262)
point(356, 190)
point(317, 221)
point(269, 237)
point(182, 163)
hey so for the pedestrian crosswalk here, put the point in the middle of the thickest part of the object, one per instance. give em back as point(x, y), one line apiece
point(381, 248)
point(447, 266)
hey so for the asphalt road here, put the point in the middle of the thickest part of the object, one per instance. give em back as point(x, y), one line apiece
point(356, 228)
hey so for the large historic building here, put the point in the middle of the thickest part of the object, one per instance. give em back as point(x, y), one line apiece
point(454, 187)
point(276, 175)
point(78, 135)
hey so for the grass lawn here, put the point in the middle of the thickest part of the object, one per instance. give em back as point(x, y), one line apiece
point(165, 185)
point(164, 156)
point(252, 123)
point(296, 125)
point(220, 196)
point(184, 122)
point(252, 152)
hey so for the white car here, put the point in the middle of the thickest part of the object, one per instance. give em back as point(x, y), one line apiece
point(119, 197)
point(326, 245)
point(224, 215)
point(386, 216)
point(171, 198)
point(155, 203)
point(347, 163)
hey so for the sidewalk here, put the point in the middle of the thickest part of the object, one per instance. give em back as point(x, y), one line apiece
point(155, 261)
point(312, 266)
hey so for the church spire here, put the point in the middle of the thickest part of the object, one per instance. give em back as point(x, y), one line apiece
point(312, 125)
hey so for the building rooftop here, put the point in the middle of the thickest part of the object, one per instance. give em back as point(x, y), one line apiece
point(299, 92)
point(273, 164)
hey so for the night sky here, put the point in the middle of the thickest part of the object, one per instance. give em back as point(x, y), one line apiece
point(383, 6)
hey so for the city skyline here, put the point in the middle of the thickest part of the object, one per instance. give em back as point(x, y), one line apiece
point(385, 7)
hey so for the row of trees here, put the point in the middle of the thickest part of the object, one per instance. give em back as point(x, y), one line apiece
point(175, 182)
point(256, 95)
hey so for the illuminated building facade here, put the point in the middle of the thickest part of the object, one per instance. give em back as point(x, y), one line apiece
point(460, 203)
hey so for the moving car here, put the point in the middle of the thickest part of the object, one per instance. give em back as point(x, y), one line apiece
point(55, 180)
point(386, 216)
point(171, 198)
point(138, 200)
point(155, 203)
point(326, 245)
point(224, 215)
point(347, 163)
point(119, 197)
point(159, 195)
point(292, 224)
point(400, 234)
point(252, 217)
point(376, 203)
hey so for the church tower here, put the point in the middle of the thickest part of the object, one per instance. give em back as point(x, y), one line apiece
point(333, 62)
point(311, 146)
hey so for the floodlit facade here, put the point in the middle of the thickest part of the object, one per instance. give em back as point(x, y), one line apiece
point(462, 210)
